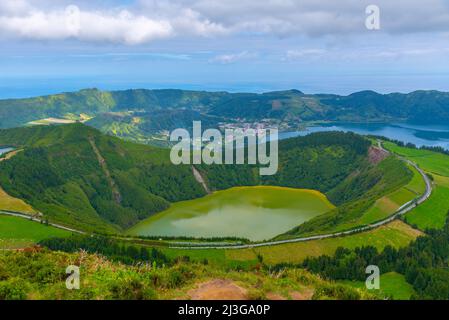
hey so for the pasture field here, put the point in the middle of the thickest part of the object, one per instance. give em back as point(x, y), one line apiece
point(430, 161)
point(18, 232)
point(392, 284)
point(9, 203)
point(432, 213)
point(417, 184)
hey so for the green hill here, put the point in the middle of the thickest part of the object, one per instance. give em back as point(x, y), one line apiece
point(78, 176)
point(290, 107)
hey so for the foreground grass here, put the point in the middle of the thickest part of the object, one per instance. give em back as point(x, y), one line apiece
point(18, 232)
point(41, 274)
point(392, 285)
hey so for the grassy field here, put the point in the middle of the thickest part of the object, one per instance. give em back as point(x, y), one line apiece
point(392, 284)
point(390, 203)
point(433, 162)
point(9, 203)
point(18, 232)
point(432, 213)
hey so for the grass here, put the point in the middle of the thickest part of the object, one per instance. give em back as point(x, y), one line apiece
point(390, 203)
point(9, 203)
point(396, 234)
point(433, 162)
point(214, 256)
point(417, 184)
point(431, 214)
point(380, 210)
point(392, 284)
point(41, 275)
point(18, 232)
point(402, 196)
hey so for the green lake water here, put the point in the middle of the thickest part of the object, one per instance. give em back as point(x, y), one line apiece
point(256, 213)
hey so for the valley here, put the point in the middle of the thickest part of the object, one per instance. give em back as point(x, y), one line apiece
point(333, 190)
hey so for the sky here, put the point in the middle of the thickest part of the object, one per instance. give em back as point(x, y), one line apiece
point(50, 46)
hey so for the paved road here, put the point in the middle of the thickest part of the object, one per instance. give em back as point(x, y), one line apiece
point(401, 211)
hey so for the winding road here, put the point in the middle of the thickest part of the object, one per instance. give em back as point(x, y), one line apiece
point(401, 211)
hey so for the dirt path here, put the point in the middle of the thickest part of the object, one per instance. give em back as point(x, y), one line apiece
point(218, 289)
point(200, 179)
point(115, 191)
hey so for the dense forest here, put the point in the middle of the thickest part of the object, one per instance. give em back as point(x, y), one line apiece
point(424, 263)
point(112, 249)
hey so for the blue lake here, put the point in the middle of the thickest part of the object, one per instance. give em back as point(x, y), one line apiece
point(5, 150)
point(429, 135)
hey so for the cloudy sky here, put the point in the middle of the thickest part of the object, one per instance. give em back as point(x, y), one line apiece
point(237, 45)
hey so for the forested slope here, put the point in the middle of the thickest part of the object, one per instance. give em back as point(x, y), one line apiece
point(78, 176)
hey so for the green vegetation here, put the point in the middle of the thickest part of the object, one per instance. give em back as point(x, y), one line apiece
point(79, 177)
point(113, 249)
point(424, 263)
point(18, 232)
point(433, 162)
point(358, 196)
point(396, 234)
point(40, 274)
point(139, 113)
point(433, 213)
point(320, 161)
point(9, 203)
point(392, 284)
point(268, 210)
point(390, 203)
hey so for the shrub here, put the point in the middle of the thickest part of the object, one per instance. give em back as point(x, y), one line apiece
point(13, 289)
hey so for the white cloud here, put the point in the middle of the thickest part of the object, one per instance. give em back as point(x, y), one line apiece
point(233, 57)
point(113, 25)
point(159, 19)
point(302, 53)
